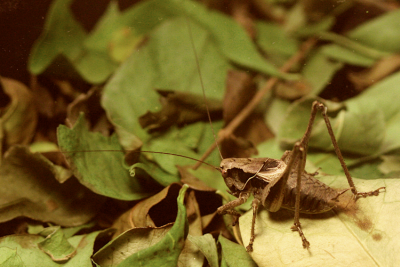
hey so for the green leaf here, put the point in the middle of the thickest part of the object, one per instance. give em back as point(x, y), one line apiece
point(320, 70)
point(231, 39)
point(103, 173)
point(270, 149)
point(179, 142)
point(29, 253)
point(63, 39)
point(130, 242)
point(296, 121)
point(378, 101)
point(211, 178)
point(62, 34)
point(275, 114)
point(355, 46)
point(381, 33)
point(207, 246)
point(112, 33)
point(234, 254)
point(164, 253)
point(100, 37)
point(366, 124)
point(55, 244)
point(363, 235)
point(273, 39)
point(9, 258)
point(162, 177)
point(167, 62)
point(68, 232)
point(327, 163)
point(345, 55)
point(311, 29)
point(363, 129)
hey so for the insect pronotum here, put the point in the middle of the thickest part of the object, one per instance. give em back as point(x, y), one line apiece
point(279, 183)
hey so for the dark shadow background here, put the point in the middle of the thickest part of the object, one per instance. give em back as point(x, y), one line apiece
point(22, 21)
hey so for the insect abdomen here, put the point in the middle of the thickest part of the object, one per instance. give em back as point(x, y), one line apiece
point(315, 196)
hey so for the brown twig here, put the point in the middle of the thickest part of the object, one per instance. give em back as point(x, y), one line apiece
point(247, 110)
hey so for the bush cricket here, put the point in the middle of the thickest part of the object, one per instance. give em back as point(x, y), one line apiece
point(284, 183)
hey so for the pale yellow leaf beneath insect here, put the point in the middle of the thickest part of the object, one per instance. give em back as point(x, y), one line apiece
point(370, 237)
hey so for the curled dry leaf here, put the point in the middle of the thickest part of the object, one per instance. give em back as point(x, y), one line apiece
point(29, 188)
point(56, 244)
point(240, 89)
point(46, 104)
point(292, 90)
point(237, 147)
point(192, 181)
point(179, 108)
point(207, 199)
point(379, 71)
point(19, 118)
point(130, 242)
point(89, 104)
point(139, 215)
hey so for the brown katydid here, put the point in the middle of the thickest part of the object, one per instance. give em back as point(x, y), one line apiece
point(284, 183)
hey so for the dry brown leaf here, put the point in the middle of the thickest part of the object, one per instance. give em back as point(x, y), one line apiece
point(240, 89)
point(179, 108)
point(131, 242)
point(379, 71)
point(139, 215)
point(192, 181)
point(292, 90)
point(19, 119)
point(29, 188)
point(89, 103)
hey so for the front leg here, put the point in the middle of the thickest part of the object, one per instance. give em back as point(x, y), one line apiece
point(255, 204)
point(228, 208)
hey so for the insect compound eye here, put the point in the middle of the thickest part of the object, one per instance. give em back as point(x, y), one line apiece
point(224, 173)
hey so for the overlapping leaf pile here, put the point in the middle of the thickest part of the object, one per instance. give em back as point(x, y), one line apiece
point(133, 83)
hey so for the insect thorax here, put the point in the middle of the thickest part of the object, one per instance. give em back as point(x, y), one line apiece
point(243, 174)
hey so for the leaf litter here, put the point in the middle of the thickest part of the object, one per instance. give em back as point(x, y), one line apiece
point(140, 60)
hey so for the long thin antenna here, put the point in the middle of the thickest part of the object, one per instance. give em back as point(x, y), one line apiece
point(140, 151)
point(202, 87)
